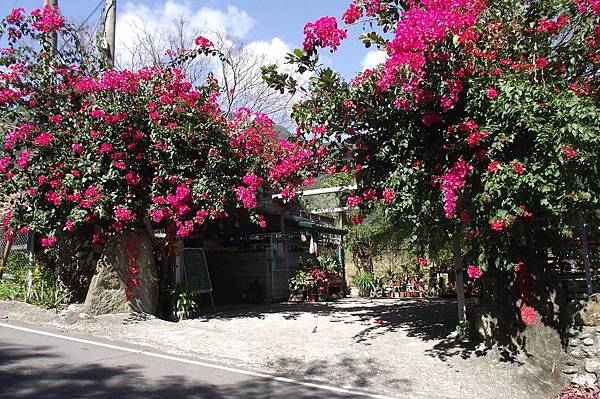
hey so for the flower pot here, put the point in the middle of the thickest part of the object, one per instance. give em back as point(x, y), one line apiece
point(397, 283)
point(296, 297)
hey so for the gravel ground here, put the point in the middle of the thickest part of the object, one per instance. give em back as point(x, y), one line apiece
point(395, 347)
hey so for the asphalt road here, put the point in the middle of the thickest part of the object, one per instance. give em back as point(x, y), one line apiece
point(50, 364)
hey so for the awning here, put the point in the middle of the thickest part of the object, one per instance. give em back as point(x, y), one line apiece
point(314, 226)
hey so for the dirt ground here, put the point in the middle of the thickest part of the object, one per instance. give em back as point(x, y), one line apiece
point(396, 347)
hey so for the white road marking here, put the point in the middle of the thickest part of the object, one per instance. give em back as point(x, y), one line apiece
point(203, 364)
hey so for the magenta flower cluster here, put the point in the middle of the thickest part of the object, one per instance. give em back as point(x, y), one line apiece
point(324, 32)
point(452, 183)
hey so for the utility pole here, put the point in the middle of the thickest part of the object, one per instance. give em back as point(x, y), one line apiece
point(109, 29)
point(53, 35)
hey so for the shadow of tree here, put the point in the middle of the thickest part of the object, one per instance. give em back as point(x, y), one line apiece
point(352, 371)
point(53, 377)
point(425, 319)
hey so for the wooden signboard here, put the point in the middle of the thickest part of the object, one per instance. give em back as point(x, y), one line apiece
point(195, 271)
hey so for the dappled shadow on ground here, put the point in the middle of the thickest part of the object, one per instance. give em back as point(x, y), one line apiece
point(19, 379)
point(426, 319)
point(351, 371)
point(136, 317)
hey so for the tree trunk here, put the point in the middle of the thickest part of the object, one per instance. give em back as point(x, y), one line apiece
point(165, 272)
point(586, 256)
point(458, 272)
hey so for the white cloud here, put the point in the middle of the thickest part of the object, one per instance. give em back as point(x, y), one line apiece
point(373, 58)
point(135, 20)
point(272, 52)
point(145, 32)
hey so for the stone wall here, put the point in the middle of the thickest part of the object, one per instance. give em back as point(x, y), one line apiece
point(582, 362)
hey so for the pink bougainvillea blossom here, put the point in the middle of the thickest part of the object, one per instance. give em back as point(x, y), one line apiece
point(568, 151)
point(124, 214)
point(324, 32)
point(69, 225)
point(354, 200)
point(132, 178)
point(15, 16)
point(541, 62)
point(421, 27)
point(352, 14)
point(261, 221)
point(370, 194)
point(4, 163)
point(23, 159)
point(491, 93)
point(518, 167)
point(252, 181)
point(43, 139)
point(430, 118)
point(452, 183)
point(48, 20)
point(388, 195)
point(494, 166)
point(247, 196)
point(49, 241)
point(202, 42)
point(498, 224)
point(474, 272)
point(529, 316)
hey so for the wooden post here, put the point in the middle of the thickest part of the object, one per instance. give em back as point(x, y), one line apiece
point(109, 29)
point(458, 272)
point(586, 255)
point(4, 259)
point(53, 35)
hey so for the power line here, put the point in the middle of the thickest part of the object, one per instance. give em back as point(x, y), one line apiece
point(92, 13)
point(100, 3)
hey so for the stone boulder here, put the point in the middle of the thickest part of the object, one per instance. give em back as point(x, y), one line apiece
point(107, 292)
point(589, 314)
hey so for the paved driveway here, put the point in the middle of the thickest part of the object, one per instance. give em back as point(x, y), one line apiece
point(392, 347)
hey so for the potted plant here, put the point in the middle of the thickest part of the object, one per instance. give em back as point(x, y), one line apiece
point(297, 285)
point(317, 278)
point(323, 295)
point(184, 303)
point(363, 281)
point(397, 279)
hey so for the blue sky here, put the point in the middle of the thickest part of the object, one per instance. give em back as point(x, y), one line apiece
point(252, 20)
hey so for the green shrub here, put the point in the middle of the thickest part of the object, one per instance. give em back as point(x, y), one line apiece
point(299, 281)
point(363, 281)
point(49, 294)
point(45, 288)
point(328, 262)
point(185, 303)
point(12, 291)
